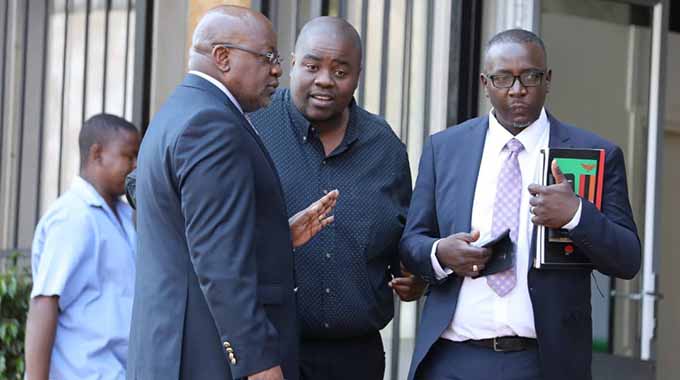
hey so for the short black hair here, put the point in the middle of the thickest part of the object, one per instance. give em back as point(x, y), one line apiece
point(99, 129)
point(340, 26)
point(518, 36)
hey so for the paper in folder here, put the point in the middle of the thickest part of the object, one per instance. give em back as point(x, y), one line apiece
point(584, 169)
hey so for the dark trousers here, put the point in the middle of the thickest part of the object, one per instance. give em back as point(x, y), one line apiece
point(361, 358)
point(449, 360)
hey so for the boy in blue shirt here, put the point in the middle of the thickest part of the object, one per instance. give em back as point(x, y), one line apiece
point(83, 264)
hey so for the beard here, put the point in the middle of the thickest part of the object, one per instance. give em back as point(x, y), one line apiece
point(521, 125)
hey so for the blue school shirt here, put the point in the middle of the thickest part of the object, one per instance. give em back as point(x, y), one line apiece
point(86, 256)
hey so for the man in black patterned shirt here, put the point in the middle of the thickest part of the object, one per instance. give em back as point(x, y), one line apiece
point(321, 140)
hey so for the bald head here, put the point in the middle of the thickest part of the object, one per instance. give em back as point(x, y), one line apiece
point(327, 28)
point(225, 24)
point(511, 36)
point(237, 47)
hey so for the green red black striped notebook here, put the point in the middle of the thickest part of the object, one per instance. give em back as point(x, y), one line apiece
point(584, 169)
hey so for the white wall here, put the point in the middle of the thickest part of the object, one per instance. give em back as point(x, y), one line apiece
point(668, 334)
point(600, 83)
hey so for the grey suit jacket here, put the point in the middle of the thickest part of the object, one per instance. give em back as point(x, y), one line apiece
point(214, 294)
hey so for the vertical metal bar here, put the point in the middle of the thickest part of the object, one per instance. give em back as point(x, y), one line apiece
point(474, 36)
point(464, 55)
point(87, 37)
point(315, 9)
point(342, 9)
point(141, 90)
point(22, 109)
point(274, 16)
point(456, 59)
point(266, 8)
point(610, 320)
point(127, 54)
point(396, 342)
point(364, 28)
point(29, 122)
point(63, 93)
point(3, 59)
point(41, 117)
point(257, 5)
point(384, 59)
point(406, 74)
point(653, 182)
point(106, 51)
point(428, 69)
point(296, 28)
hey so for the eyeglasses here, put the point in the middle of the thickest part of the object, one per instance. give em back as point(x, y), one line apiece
point(273, 58)
point(530, 78)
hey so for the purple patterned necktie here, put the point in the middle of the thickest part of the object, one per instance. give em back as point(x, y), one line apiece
point(506, 213)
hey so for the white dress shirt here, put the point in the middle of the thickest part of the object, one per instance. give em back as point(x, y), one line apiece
point(480, 312)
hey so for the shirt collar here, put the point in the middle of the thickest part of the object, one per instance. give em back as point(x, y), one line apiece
point(87, 192)
point(219, 85)
point(530, 136)
point(303, 126)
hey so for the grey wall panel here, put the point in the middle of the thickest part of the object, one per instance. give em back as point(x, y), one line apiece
point(12, 119)
point(32, 105)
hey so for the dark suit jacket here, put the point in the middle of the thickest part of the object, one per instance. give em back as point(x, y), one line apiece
point(442, 205)
point(214, 259)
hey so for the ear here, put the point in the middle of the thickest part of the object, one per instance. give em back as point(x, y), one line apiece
point(483, 80)
point(221, 56)
point(292, 59)
point(95, 153)
point(548, 78)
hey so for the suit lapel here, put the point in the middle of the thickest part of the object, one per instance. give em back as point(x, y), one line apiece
point(251, 129)
point(466, 166)
point(192, 80)
point(559, 137)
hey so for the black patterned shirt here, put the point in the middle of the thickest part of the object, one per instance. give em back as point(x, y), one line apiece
point(342, 273)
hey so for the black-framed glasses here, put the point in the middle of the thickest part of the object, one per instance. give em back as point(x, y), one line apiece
point(271, 56)
point(530, 78)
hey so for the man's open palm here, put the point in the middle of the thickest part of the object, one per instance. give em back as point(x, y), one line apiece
point(308, 222)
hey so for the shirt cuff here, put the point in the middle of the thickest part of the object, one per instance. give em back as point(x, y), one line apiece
point(439, 272)
point(573, 223)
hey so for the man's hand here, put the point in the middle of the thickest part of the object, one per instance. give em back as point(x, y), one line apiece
point(270, 374)
point(456, 253)
point(308, 222)
point(408, 287)
point(555, 205)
